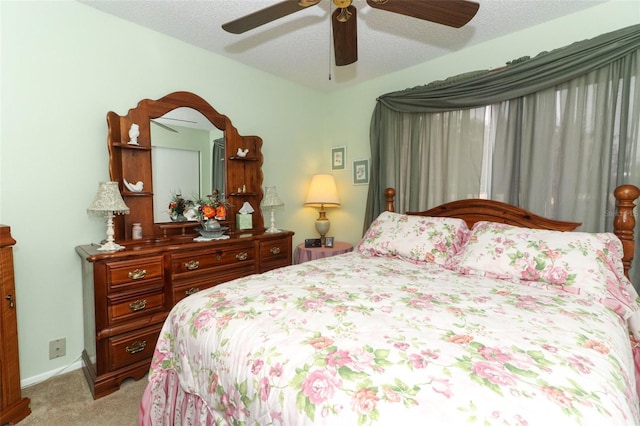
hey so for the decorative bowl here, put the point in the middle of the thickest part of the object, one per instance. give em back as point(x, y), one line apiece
point(214, 233)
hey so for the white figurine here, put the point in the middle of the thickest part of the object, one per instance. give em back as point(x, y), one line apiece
point(134, 132)
point(137, 187)
point(242, 153)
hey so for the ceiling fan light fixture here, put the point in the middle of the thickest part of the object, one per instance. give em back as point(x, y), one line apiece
point(342, 4)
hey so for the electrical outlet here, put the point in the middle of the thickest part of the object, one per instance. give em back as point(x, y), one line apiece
point(57, 348)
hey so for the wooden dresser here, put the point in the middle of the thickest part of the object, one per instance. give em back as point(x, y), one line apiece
point(128, 294)
point(13, 407)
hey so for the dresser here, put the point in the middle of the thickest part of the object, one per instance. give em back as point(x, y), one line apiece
point(128, 294)
point(13, 407)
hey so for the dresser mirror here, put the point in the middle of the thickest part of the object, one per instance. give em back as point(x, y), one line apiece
point(237, 177)
point(187, 157)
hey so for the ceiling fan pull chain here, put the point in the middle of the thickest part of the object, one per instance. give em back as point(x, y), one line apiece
point(330, 38)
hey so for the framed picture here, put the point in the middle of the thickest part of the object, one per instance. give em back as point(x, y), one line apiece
point(328, 242)
point(361, 172)
point(338, 157)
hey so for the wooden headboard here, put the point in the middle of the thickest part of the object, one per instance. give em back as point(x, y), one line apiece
point(476, 210)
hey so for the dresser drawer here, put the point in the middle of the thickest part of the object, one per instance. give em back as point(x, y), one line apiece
point(131, 273)
point(189, 287)
point(129, 348)
point(275, 253)
point(209, 261)
point(127, 307)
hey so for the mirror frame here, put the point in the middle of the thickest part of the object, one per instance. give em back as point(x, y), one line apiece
point(133, 162)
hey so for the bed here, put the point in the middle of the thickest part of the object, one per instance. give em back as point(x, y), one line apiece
point(474, 312)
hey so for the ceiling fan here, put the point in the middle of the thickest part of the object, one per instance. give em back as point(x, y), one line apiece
point(453, 13)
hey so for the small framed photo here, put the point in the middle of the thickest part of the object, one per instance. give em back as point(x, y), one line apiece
point(328, 242)
point(338, 157)
point(361, 172)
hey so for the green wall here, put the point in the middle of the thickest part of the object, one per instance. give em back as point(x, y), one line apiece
point(65, 65)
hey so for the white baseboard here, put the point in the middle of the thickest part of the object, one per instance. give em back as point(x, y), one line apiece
point(30, 381)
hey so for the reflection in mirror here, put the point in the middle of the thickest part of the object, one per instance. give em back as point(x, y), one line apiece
point(187, 158)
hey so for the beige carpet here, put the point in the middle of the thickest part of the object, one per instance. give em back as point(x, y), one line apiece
point(66, 400)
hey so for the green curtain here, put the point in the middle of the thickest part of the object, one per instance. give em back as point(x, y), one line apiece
point(554, 134)
point(481, 88)
point(520, 77)
point(217, 163)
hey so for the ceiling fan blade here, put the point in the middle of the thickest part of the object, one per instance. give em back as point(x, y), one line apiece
point(164, 126)
point(452, 13)
point(345, 36)
point(266, 15)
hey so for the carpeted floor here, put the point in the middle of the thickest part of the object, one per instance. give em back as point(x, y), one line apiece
point(66, 400)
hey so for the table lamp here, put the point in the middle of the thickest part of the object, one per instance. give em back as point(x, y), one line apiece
point(322, 193)
point(271, 201)
point(107, 203)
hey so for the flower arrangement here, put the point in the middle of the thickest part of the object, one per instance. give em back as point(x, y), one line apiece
point(202, 210)
point(177, 207)
point(210, 207)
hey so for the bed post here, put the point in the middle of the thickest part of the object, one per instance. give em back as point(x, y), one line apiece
point(625, 222)
point(389, 195)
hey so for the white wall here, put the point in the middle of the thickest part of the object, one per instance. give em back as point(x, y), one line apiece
point(64, 65)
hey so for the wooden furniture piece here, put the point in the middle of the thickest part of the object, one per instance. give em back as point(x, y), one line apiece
point(13, 407)
point(243, 175)
point(305, 254)
point(128, 294)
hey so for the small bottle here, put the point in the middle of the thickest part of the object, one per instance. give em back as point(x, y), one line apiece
point(136, 232)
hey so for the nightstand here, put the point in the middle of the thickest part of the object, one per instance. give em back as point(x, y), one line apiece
point(305, 254)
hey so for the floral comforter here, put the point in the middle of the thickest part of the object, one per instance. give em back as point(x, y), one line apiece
point(373, 340)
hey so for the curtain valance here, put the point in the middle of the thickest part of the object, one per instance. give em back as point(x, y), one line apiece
point(519, 78)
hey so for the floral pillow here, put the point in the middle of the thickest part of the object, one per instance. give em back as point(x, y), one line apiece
point(573, 261)
point(415, 238)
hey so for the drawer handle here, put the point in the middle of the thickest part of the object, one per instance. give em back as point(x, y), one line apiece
point(192, 265)
point(192, 290)
point(275, 250)
point(138, 274)
point(136, 347)
point(138, 305)
point(242, 256)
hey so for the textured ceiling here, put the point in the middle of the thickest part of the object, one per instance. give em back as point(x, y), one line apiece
point(299, 48)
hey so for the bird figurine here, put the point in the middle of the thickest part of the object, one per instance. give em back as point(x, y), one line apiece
point(242, 153)
point(134, 187)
